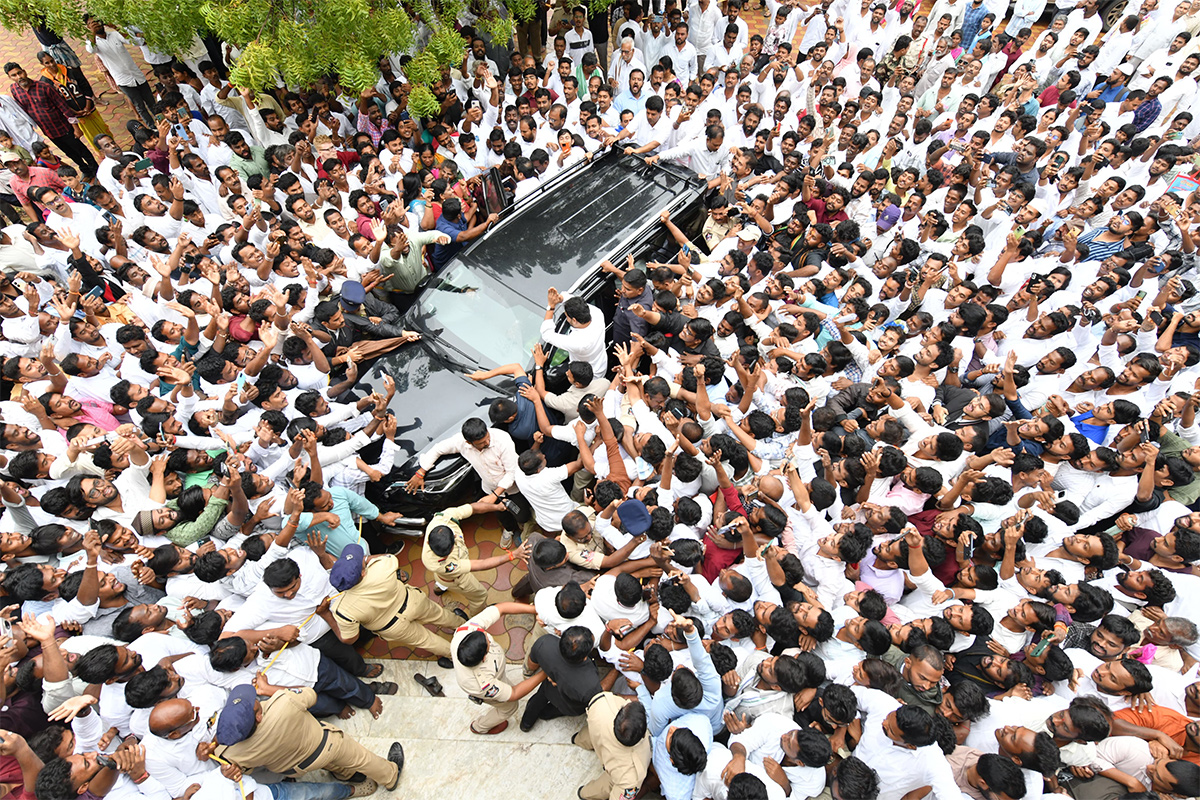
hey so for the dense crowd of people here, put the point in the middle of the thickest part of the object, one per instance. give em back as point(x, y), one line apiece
point(877, 481)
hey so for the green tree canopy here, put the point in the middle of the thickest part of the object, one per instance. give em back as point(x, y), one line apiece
point(298, 40)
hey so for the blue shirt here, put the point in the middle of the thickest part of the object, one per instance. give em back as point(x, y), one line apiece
point(1086, 424)
point(661, 708)
point(625, 101)
point(526, 424)
point(972, 19)
point(1111, 94)
point(999, 437)
point(676, 785)
point(345, 504)
point(444, 252)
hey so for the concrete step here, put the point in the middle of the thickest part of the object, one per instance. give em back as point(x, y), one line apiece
point(443, 759)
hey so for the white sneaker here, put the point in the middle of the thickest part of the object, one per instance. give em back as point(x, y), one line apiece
point(506, 540)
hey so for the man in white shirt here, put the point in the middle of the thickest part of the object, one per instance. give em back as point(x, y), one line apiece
point(898, 742)
point(649, 129)
point(491, 453)
point(584, 341)
point(704, 17)
point(706, 158)
point(579, 38)
point(726, 53)
point(683, 55)
point(110, 46)
point(626, 61)
point(542, 487)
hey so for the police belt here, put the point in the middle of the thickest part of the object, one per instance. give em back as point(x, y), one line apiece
point(399, 611)
point(312, 758)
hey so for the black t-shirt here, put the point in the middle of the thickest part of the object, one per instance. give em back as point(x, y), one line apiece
point(574, 684)
point(706, 348)
point(670, 324)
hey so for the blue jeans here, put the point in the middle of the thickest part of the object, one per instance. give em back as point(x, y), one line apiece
point(309, 791)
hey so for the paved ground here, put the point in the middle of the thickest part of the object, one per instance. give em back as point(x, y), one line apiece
point(24, 47)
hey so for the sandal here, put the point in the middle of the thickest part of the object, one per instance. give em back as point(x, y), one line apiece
point(373, 671)
point(384, 687)
point(364, 789)
point(432, 685)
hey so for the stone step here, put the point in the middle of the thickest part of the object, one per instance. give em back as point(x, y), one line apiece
point(443, 759)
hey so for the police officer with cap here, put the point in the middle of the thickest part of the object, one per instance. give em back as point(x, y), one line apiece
point(481, 668)
point(373, 596)
point(373, 319)
point(616, 729)
point(445, 554)
point(281, 735)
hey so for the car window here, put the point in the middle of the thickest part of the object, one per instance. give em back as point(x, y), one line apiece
point(491, 324)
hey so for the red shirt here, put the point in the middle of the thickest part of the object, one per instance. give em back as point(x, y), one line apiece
point(823, 216)
point(716, 559)
point(38, 176)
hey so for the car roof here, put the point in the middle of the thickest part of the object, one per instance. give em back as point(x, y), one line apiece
point(562, 233)
point(555, 240)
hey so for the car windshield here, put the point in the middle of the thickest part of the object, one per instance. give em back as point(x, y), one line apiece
point(479, 317)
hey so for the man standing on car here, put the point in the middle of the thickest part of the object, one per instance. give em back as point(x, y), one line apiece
point(402, 264)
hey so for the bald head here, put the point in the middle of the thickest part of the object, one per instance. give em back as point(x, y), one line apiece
point(772, 487)
point(169, 718)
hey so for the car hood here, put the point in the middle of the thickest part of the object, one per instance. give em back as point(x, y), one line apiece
point(433, 395)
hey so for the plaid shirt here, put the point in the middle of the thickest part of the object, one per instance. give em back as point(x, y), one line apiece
point(43, 102)
point(374, 131)
point(1146, 113)
point(972, 19)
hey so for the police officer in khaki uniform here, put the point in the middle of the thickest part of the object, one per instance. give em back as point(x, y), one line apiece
point(481, 668)
point(374, 597)
point(281, 735)
point(616, 730)
point(445, 555)
point(585, 546)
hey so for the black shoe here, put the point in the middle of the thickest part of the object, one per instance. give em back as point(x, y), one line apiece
point(445, 663)
point(357, 777)
point(460, 613)
point(528, 721)
point(396, 756)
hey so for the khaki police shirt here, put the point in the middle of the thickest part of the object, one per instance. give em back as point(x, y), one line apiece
point(287, 735)
point(588, 554)
point(458, 561)
point(374, 601)
point(626, 766)
point(486, 680)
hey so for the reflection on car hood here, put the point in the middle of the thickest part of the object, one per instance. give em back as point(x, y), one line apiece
point(433, 396)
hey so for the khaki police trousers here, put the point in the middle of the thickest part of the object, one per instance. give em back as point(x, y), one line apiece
point(344, 756)
point(410, 629)
point(470, 589)
point(495, 714)
point(602, 787)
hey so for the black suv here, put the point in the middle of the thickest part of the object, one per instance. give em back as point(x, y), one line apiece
point(484, 308)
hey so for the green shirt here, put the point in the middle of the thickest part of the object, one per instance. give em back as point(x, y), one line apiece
point(404, 273)
point(186, 533)
point(256, 164)
point(1173, 445)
